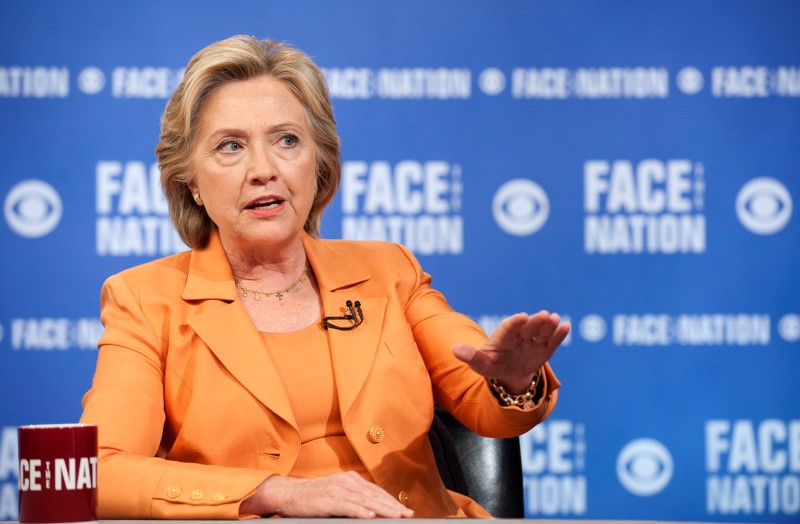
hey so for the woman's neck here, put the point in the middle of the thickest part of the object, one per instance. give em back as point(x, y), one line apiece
point(266, 266)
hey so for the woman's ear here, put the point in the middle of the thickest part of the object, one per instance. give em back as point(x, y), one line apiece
point(192, 185)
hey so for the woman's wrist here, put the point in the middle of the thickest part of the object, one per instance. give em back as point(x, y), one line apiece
point(508, 396)
point(517, 387)
point(256, 503)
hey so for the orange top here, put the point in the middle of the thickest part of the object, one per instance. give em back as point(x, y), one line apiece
point(303, 361)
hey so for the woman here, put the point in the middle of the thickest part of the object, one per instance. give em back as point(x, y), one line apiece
point(219, 392)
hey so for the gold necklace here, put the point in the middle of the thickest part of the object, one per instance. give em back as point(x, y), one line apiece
point(257, 294)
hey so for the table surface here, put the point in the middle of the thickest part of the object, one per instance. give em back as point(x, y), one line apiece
point(421, 521)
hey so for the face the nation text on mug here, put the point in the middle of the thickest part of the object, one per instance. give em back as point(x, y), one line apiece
point(57, 473)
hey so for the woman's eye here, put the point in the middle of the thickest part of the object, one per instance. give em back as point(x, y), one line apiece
point(229, 146)
point(289, 140)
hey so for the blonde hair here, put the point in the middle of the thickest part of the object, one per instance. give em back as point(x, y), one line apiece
point(230, 60)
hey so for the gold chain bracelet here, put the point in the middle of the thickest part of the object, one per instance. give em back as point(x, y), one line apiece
point(507, 399)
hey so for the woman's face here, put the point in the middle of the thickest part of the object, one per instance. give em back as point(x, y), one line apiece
point(255, 163)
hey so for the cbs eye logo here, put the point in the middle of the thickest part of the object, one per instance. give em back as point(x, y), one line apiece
point(32, 208)
point(644, 467)
point(520, 207)
point(592, 328)
point(764, 206)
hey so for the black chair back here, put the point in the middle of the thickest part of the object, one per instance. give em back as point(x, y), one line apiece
point(488, 470)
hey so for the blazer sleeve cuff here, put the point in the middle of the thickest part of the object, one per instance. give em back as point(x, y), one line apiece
point(515, 420)
point(215, 494)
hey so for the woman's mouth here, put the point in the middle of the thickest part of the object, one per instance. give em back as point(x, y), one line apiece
point(265, 203)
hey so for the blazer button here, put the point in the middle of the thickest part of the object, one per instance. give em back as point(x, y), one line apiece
point(197, 494)
point(217, 497)
point(376, 434)
point(173, 491)
point(403, 497)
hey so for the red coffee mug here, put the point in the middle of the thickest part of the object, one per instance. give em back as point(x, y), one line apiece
point(57, 473)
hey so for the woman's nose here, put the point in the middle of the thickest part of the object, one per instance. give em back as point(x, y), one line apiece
point(262, 166)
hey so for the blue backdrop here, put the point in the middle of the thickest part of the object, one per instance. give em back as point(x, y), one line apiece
point(631, 165)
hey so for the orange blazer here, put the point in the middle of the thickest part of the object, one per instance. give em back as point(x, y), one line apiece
point(191, 411)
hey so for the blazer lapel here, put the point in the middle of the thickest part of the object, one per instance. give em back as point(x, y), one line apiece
point(228, 331)
point(352, 351)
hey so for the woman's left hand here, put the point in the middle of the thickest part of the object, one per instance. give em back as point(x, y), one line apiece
point(519, 346)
